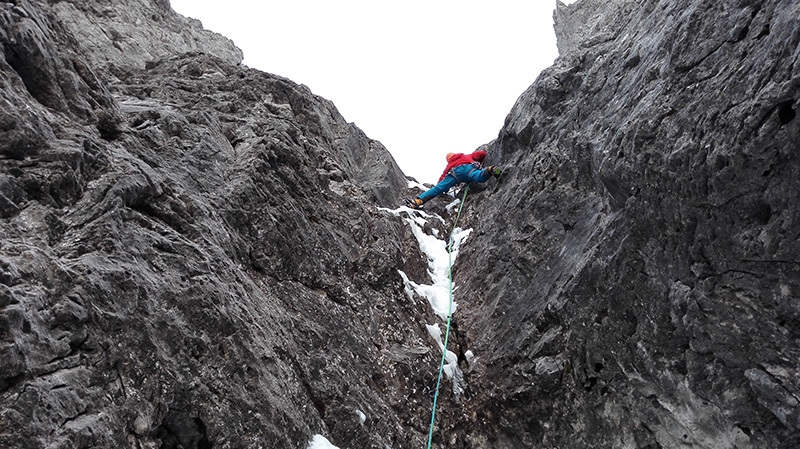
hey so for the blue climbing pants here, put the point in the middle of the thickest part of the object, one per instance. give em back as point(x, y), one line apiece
point(462, 173)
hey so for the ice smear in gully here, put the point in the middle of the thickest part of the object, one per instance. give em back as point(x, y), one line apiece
point(438, 292)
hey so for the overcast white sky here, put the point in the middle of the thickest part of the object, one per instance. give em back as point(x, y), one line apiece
point(423, 77)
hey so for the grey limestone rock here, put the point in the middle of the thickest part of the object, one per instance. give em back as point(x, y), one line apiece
point(196, 254)
point(639, 272)
point(192, 252)
point(120, 35)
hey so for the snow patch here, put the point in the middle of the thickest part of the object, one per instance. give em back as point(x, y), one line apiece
point(451, 369)
point(437, 293)
point(453, 205)
point(409, 285)
point(469, 356)
point(419, 216)
point(320, 442)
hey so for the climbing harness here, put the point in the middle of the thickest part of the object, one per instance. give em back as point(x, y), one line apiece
point(475, 166)
point(449, 313)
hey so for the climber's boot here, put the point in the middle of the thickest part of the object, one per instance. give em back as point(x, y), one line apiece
point(414, 203)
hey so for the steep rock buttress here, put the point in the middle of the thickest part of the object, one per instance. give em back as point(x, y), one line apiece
point(193, 253)
point(634, 281)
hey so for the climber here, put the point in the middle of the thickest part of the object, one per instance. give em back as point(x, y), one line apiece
point(460, 168)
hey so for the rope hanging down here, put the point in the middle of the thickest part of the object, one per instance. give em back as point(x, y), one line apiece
point(449, 313)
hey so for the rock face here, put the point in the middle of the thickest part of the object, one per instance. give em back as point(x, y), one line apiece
point(123, 35)
point(639, 267)
point(195, 254)
point(192, 251)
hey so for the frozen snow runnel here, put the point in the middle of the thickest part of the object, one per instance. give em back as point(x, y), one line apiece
point(438, 292)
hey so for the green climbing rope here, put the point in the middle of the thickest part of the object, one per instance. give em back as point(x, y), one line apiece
point(449, 313)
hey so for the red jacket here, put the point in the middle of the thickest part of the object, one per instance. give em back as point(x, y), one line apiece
point(461, 159)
